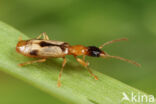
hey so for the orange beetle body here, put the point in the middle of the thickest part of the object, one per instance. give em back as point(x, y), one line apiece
point(45, 48)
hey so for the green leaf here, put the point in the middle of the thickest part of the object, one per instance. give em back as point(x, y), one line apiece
point(78, 87)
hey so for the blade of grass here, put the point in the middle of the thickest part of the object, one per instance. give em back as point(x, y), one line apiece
point(77, 86)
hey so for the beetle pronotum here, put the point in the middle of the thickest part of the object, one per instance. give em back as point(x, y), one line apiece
point(45, 48)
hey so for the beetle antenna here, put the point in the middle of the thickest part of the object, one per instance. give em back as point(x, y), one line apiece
point(121, 58)
point(110, 42)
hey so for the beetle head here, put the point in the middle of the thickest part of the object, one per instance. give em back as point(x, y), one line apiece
point(95, 51)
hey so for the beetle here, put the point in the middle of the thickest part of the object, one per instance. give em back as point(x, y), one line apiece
point(44, 48)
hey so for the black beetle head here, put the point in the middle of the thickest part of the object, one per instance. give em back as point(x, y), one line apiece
point(94, 51)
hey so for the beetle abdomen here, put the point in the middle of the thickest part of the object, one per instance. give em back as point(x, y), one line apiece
point(47, 48)
point(52, 51)
point(42, 48)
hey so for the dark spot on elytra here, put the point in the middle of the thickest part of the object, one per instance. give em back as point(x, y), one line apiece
point(44, 44)
point(34, 52)
point(64, 46)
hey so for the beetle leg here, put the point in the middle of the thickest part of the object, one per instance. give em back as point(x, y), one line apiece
point(45, 36)
point(85, 64)
point(39, 36)
point(84, 57)
point(60, 74)
point(31, 62)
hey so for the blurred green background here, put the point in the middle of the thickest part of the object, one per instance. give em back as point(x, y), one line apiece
point(87, 22)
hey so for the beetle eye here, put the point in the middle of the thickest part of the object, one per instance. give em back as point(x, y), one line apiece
point(94, 51)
